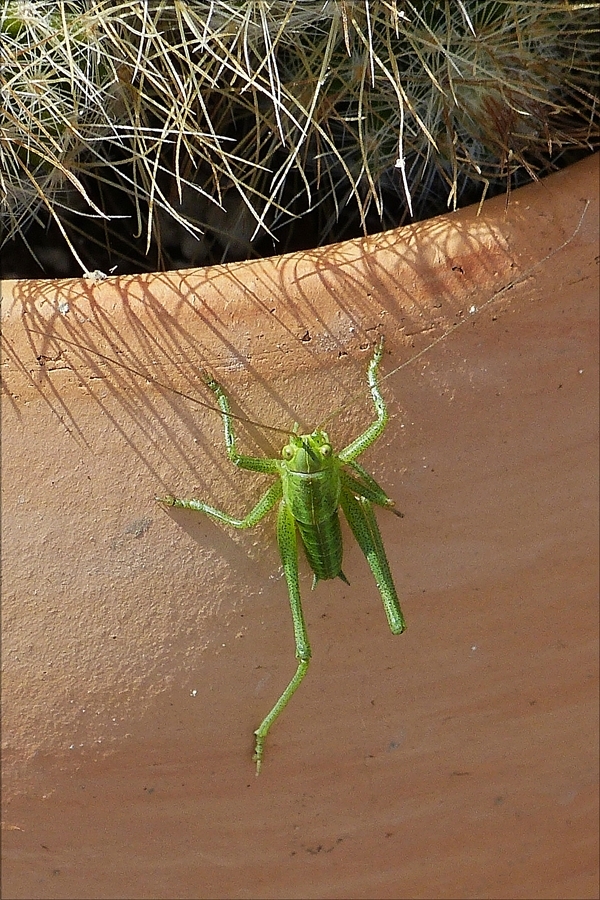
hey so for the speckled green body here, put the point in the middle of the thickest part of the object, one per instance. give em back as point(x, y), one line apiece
point(311, 487)
point(313, 484)
point(323, 547)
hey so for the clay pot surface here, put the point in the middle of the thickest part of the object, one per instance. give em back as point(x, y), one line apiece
point(142, 647)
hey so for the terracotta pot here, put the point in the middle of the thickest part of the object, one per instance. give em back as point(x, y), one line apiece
point(142, 647)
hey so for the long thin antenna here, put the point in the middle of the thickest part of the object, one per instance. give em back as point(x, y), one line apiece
point(159, 384)
point(472, 312)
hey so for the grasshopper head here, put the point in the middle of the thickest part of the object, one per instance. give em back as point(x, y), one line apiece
point(308, 453)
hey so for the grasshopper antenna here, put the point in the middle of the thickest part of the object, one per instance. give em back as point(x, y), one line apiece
point(206, 377)
point(472, 312)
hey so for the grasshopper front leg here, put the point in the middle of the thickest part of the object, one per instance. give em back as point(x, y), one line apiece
point(375, 429)
point(253, 463)
point(286, 538)
point(358, 494)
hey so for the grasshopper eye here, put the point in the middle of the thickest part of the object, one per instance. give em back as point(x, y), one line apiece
point(326, 450)
point(288, 452)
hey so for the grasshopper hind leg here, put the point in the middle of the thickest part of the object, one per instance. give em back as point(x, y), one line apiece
point(361, 518)
point(286, 538)
point(263, 729)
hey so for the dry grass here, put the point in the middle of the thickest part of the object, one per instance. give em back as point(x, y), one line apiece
point(173, 119)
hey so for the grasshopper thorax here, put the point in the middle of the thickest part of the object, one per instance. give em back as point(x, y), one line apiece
point(307, 454)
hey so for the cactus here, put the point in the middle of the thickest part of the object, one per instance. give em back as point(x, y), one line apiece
point(213, 129)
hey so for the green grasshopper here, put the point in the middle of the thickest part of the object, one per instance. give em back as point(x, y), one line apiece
point(312, 484)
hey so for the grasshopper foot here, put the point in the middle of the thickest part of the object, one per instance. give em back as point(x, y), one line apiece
point(258, 752)
point(169, 500)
